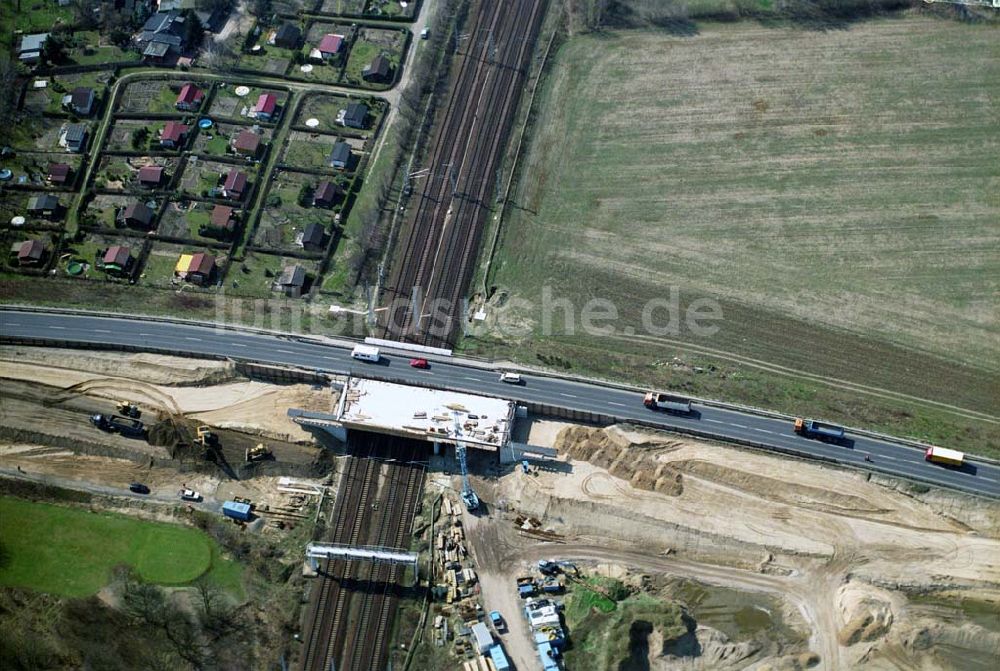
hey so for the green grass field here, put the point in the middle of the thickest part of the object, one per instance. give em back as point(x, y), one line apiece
point(71, 552)
point(835, 192)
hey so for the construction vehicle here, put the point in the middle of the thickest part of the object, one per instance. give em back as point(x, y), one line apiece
point(553, 567)
point(129, 409)
point(810, 428)
point(497, 619)
point(469, 497)
point(206, 438)
point(670, 402)
point(130, 428)
point(258, 453)
point(942, 455)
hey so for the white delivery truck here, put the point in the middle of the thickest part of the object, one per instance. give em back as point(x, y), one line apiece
point(365, 353)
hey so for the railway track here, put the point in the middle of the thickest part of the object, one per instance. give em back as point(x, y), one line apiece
point(345, 616)
point(439, 243)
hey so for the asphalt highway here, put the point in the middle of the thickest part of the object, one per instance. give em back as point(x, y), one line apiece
point(886, 456)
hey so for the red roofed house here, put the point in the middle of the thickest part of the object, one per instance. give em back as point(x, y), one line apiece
point(190, 98)
point(330, 46)
point(195, 268)
point(117, 260)
point(266, 106)
point(247, 143)
point(150, 175)
point(29, 252)
point(58, 173)
point(235, 185)
point(222, 219)
point(173, 134)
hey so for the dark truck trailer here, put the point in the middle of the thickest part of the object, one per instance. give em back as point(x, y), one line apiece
point(670, 402)
point(126, 426)
point(810, 428)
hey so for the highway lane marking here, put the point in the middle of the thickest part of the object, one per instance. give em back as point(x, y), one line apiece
point(761, 430)
point(987, 479)
point(60, 328)
point(147, 335)
point(886, 456)
point(192, 338)
point(236, 344)
point(474, 379)
point(12, 324)
point(741, 426)
point(620, 405)
point(715, 421)
point(568, 395)
point(101, 331)
point(284, 351)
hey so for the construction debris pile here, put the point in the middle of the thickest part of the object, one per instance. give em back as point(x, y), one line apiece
point(611, 451)
point(474, 635)
point(459, 580)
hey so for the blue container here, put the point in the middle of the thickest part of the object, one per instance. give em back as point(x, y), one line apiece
point(237, 511)
point(499, 658)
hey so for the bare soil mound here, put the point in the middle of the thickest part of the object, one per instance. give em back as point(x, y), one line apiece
point(782, 491)
point(636, 464)
point(150, 368)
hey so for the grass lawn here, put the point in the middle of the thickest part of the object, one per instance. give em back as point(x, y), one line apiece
point(255, 275)
point(834, 192)
point(34, 16)
point(81, 548)
point(370, 43)
point(309, 153)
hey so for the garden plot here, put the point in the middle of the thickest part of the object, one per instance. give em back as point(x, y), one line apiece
point(369, 44)
point(312, 151)
point(49, 98)
point(256, 275)
point(120, 173)
point(190, 220)
point(134, 135)
point(349, 7)
point(88, 47)
point(42, 134)
point(392, 8)
point(33, 167)
point(326, 109)
point(151, 96)
point(79, 259)
point(15, 204)
point(201, 177)
point(162, 260)
point(234, 101)
point(103, 210)
point(217, 141)
point(289, 210)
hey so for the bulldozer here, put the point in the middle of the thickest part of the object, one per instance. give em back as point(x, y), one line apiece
point(128, 409)
point(258, 453)
point(205, 437)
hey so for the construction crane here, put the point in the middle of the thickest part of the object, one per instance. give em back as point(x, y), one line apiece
point(469, 497)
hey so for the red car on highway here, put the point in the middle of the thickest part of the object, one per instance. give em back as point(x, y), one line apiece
point(419, 363)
